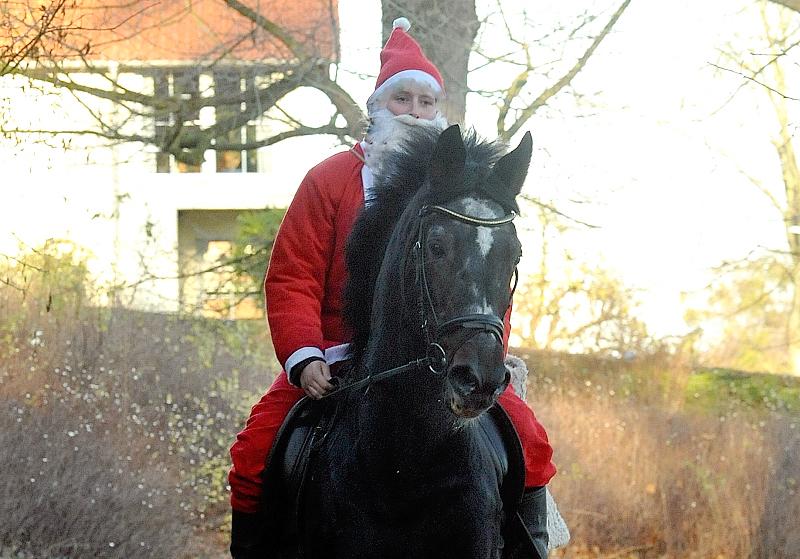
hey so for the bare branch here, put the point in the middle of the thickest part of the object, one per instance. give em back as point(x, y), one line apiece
point(526, 113)
point(754, 80)
point(27, 33)
point(552, 209)
point(291, 63)
point(753, 180)
point(297, 48)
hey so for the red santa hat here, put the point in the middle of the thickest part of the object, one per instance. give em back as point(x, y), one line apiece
point(401, 58)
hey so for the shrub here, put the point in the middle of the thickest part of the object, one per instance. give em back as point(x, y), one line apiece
point(151, 402)
point(70, 491)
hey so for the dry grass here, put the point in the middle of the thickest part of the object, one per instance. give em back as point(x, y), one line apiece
point(115, 428)
point(641, 474)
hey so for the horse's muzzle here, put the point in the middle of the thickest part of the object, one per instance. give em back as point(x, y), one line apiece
point(476, 376)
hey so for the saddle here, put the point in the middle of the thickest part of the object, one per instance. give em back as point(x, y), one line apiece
point(284, 477)
point(303, 431)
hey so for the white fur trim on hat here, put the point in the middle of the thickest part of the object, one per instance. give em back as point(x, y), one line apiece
point(416, 75)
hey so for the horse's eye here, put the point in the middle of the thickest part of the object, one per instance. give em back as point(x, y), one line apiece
point(436, 250)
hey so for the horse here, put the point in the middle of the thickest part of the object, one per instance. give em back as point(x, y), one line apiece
point(413, 458)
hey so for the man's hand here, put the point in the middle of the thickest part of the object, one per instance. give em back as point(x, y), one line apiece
point(315, 379)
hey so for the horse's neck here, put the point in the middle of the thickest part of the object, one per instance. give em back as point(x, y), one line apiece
point(398, 410)
point(404, 427)
point(395, 339)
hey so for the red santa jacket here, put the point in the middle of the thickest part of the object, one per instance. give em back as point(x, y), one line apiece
point(306, 273)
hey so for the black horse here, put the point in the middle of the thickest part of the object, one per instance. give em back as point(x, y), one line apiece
point(409, 462)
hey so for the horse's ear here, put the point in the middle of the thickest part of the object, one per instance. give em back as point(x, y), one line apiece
point(449, 157)
point(512, 168)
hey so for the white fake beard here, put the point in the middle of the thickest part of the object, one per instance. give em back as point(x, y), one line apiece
point(386, 131)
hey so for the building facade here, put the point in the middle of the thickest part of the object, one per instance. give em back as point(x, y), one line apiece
point(191, 81)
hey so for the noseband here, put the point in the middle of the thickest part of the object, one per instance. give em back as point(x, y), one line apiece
point(470, 324)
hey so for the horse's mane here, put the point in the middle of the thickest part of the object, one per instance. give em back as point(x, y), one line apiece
point(404, 186)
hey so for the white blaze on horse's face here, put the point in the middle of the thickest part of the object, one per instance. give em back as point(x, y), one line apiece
point(485, 239)
point(481, 209)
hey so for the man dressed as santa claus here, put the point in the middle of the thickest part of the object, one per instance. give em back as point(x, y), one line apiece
point(306, 276)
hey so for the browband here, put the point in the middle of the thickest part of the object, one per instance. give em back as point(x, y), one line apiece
point(508, 218)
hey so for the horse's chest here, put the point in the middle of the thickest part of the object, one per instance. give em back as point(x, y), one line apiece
point(452, 494)
point(442, 518)
point(415, 497)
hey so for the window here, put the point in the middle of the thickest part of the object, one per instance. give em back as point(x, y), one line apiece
point(232, 89)
point(203, 111)
point(178, 89)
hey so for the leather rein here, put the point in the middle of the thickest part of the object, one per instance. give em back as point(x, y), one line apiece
point(436, 356)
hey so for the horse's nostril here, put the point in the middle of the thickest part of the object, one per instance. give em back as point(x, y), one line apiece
point(465, 379)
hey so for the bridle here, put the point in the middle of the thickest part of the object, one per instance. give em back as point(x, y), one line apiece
point(471, 324)
point(436, 359)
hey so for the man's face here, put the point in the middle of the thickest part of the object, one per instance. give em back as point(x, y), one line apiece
point(417, 101)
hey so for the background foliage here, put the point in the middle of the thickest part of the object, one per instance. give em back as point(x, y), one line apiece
point(116, 427)
point(252, 249)
point(117, 424)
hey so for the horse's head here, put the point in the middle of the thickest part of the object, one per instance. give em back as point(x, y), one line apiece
point(466, 255)
point(432, 261)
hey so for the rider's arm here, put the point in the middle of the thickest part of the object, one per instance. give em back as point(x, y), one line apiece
point(296, 277)
point(307, 270)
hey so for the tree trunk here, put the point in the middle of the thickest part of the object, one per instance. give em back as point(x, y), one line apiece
point(793, 331)
point(791, 213)
point(791, 4)
point(445, 30)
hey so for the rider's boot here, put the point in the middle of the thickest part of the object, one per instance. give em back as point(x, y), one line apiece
point(533, 512)
point(244, 529)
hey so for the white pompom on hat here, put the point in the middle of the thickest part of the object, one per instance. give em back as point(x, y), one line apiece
point(402, 58)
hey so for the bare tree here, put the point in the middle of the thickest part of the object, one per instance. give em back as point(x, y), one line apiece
point(569, 305)
point(256, 57)
point(742, 319)
point(252, 60)
point(31, 30)
point(762, 63)
point(539, 59)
